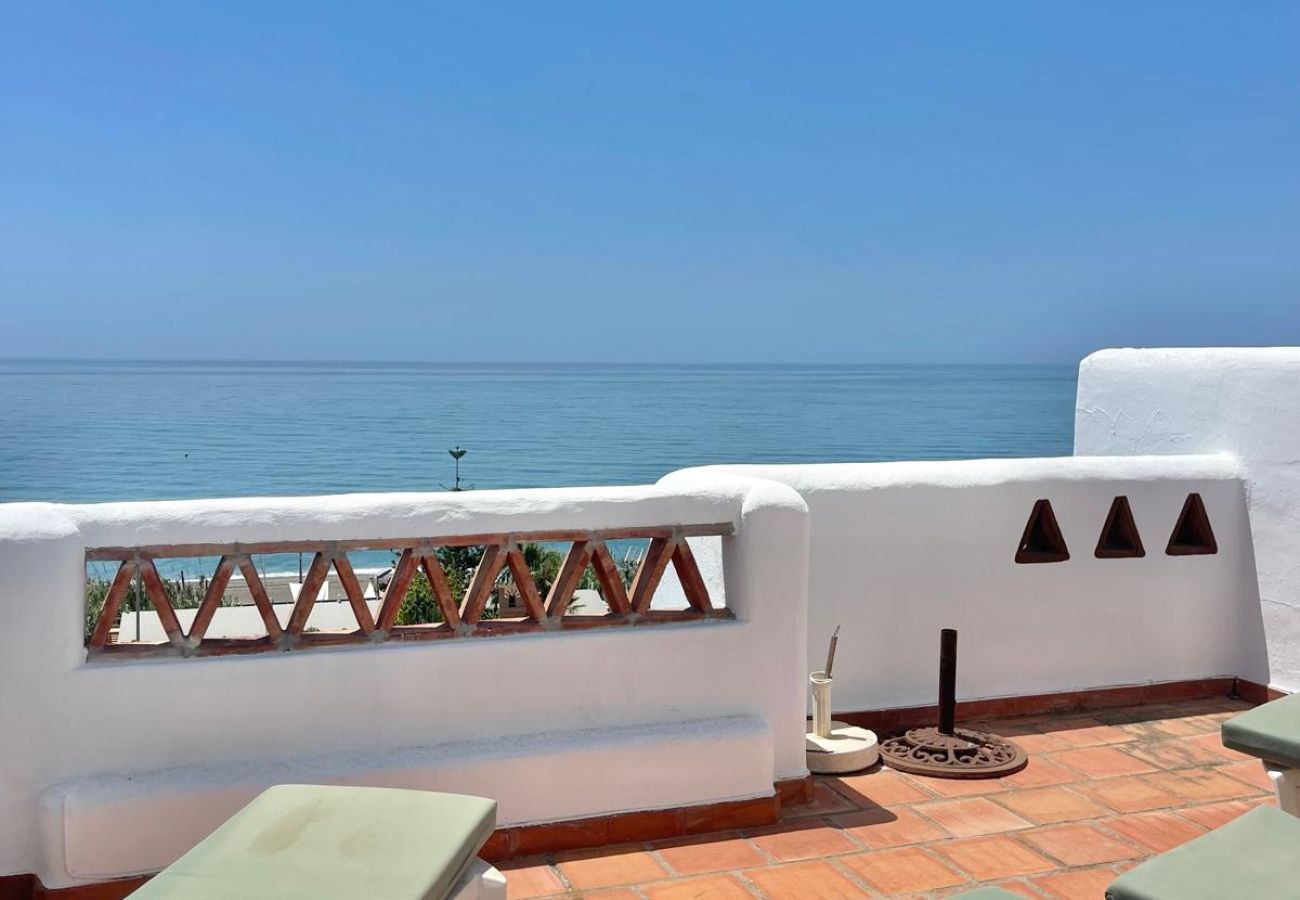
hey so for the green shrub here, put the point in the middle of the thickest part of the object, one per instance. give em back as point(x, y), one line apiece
point(181, 595)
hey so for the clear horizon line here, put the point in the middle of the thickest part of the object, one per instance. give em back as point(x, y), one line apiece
point(503, 363)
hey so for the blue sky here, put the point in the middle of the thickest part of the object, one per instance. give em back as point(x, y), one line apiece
point(695, 182)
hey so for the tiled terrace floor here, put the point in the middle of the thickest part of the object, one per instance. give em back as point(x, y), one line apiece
point(1102, 791)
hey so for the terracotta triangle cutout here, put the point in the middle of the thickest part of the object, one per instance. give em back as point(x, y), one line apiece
point(1119, 536)
point(1193, 534)
point(1042, 541)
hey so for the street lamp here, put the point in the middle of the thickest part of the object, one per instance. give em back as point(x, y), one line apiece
point(456, 453)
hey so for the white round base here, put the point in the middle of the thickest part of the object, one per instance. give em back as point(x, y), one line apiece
point(848, 749)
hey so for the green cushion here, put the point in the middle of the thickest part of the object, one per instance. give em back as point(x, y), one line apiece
point(1271, 732)
point(989, 893)
point(1256, 855)
point(323, 842)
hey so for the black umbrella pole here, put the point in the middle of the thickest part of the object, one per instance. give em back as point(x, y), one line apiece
point(947, 680)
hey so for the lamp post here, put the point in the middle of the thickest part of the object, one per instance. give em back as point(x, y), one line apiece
point(456, 453)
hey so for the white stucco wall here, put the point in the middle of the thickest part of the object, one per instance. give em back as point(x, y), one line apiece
point(693, 713)
point(901, 550)
point(233, 723)
point(1242, 401)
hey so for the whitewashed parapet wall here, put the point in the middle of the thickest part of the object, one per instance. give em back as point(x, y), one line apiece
point(1243, 401)
point(114, 768)
point(901, 550)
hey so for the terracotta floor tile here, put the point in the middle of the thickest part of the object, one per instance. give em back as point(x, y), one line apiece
point(530, 878)
point(609, 867)
point(1123, 715)
point(1046, 806)
point(1016, 888)
point(1214, 742)
point(1213, 815)
point(709, 853)
point(1089, 885)
point(1232, 704)
point(1040, 773)
point(1224, 706)
point(1148, 730)
point(1101, 762)
point(1130, 793)
point(906, 870)
point(960, 787)
point(1011, 732)
point(1218, 716)
point(882, 788)
point(1201, 705)
point(1036, 743)
point(1014, 727)
point(1251, 771)
point(1021, 889)
point(1178, 727)
point(1202, 785)
point(716, 887)
point(1237, 704)
point(1203, 724)
point(1025, 732)
point(1179, 753)
point(990, 858)
point(1079, 845)
point(1157, 831)
point(972, 816)
point(1039, 723)
point(879, 828)
point(804, 881)
point(1102, 791)
point(1174, 708)
point(1087, 732)
point(825, 801)
point(803, 840)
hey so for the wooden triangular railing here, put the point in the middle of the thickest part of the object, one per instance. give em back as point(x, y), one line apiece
point(630, 603)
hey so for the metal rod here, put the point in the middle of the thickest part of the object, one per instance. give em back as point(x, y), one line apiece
point(947, 680)
point(830, 653)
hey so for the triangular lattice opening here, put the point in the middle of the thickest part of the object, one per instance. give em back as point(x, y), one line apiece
point(585, 600)
point(688, 575)
point(1192, 535)
point(1119, 536)
point(563, 575)
point(516, 587)
point(1042, 541)
point(612, 577)
point(309, 599)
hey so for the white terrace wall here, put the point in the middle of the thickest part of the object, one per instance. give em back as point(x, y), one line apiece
point(901, 550)
point(1243, 401)
point(124, 765)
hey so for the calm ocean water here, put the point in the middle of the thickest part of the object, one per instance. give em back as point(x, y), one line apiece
point(81, 431)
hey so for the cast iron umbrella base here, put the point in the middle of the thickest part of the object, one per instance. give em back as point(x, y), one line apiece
point(947, 751)
point(965, 753)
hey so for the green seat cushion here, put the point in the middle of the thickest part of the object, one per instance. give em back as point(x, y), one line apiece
point(989, 893)
point(1271, 732)
point(326, 842)
point(1255, 856)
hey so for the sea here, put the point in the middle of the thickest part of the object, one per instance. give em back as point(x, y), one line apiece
point(100, 431)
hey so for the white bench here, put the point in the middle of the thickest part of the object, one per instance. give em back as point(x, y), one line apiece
point(111, 826)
